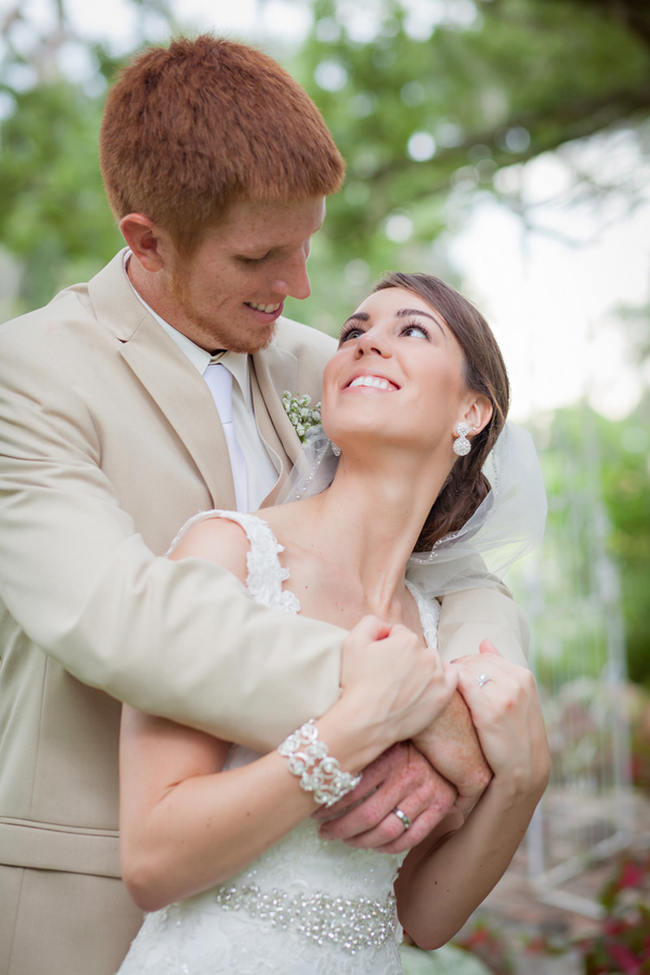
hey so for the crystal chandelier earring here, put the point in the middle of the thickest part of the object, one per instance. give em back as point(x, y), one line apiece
point(462, 445)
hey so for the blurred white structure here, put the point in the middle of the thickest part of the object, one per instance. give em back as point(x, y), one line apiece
point(578, 654)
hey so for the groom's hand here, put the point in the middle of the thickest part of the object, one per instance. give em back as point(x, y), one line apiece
point(452, 746)
point(399, 778)
point(443, 770)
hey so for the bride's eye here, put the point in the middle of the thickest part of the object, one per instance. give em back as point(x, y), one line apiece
point(416, 330)
point(352, 332)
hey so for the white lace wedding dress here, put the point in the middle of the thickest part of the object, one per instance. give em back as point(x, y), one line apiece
point(307, 906)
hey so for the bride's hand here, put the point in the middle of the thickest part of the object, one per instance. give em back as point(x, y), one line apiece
point(397, 682)
point(505, 707)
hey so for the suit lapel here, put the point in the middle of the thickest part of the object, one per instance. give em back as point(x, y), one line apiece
point(185, 399)
point(273, 372)
point(168, 377)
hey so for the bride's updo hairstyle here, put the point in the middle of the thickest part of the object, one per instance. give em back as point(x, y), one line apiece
point(485, 373)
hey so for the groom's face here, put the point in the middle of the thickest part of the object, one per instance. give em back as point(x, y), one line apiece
point(230, 292)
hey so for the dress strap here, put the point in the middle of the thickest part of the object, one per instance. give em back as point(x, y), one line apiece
point(429, 610)
point(265, 572)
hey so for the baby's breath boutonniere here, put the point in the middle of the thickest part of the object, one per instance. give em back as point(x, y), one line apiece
point(302, 414)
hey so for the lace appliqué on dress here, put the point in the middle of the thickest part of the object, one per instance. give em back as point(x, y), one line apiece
point(265, 572)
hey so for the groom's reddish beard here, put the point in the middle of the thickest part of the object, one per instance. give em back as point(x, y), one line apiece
point(181, 295)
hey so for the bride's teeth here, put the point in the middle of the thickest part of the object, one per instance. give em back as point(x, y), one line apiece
point(374, 381)
point(266, 308)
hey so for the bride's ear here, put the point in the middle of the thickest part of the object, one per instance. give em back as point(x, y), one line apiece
point(478, 413)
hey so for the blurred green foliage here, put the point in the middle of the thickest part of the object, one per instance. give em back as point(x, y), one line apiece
point(596, 554)
point(53, 213)
point(523, 77)
point(626, 489)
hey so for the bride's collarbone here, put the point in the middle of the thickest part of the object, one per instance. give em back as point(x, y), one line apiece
point(334, 596)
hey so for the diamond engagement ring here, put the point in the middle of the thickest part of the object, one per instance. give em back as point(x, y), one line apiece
point(406, 822)
point(483, 679)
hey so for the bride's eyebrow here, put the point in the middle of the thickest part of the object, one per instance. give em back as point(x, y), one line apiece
point(407, 312)
point(359, 316)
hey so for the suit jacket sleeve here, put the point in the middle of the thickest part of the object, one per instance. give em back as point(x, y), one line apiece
point(471, 615)
point(179, 639)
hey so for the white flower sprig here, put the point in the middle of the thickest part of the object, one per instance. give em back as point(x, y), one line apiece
point(302, 414)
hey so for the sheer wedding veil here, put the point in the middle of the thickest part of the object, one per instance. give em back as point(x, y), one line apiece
point(507, 524)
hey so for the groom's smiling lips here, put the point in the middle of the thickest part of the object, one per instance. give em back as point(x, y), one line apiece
point(269, 310)
point(371, 380)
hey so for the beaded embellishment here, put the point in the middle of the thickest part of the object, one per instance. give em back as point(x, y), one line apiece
point(352, 923)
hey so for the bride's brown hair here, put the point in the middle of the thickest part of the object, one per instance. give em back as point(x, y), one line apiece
point(485, 373)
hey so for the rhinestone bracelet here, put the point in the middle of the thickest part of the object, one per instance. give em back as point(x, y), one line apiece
point(319, 773)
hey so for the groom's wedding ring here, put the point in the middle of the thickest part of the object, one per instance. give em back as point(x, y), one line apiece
point(402, 817)
point(483, 679)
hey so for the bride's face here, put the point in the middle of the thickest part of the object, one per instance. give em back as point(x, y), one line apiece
point(398, 375)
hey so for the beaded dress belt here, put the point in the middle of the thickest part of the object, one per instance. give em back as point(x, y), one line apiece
point(352, 923)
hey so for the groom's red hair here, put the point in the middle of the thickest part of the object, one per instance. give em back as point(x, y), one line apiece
point(190, 129)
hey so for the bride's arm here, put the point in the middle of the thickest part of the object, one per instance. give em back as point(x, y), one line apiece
point(443, 880)
point(186, 825)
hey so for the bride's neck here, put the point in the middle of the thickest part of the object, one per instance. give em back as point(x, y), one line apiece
point(369, 520)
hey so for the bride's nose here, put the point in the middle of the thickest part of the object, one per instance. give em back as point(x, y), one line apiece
point(369, 342)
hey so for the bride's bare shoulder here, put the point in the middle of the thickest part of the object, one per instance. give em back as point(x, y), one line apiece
point(218, 540)
point(289, 521)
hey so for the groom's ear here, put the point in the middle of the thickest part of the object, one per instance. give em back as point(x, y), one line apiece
point(478, 413)
point(146, 240)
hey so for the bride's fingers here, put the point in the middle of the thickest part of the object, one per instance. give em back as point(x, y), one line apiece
point(492, 688)
point(488, 666)
point(486, 646)
point(505, 707)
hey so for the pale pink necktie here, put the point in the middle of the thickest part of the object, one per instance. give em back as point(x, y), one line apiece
point(219, 380)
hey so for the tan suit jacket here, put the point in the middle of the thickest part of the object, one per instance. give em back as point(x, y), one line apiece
point(109, 441)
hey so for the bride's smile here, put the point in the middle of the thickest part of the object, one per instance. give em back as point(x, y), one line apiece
point(372, 381)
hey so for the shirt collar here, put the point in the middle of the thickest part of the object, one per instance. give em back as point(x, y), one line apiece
point(235, 362)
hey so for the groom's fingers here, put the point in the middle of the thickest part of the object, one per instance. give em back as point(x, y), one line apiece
point(400, 778)
point(425, 807)
point(425, 824)
point(372, 777)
